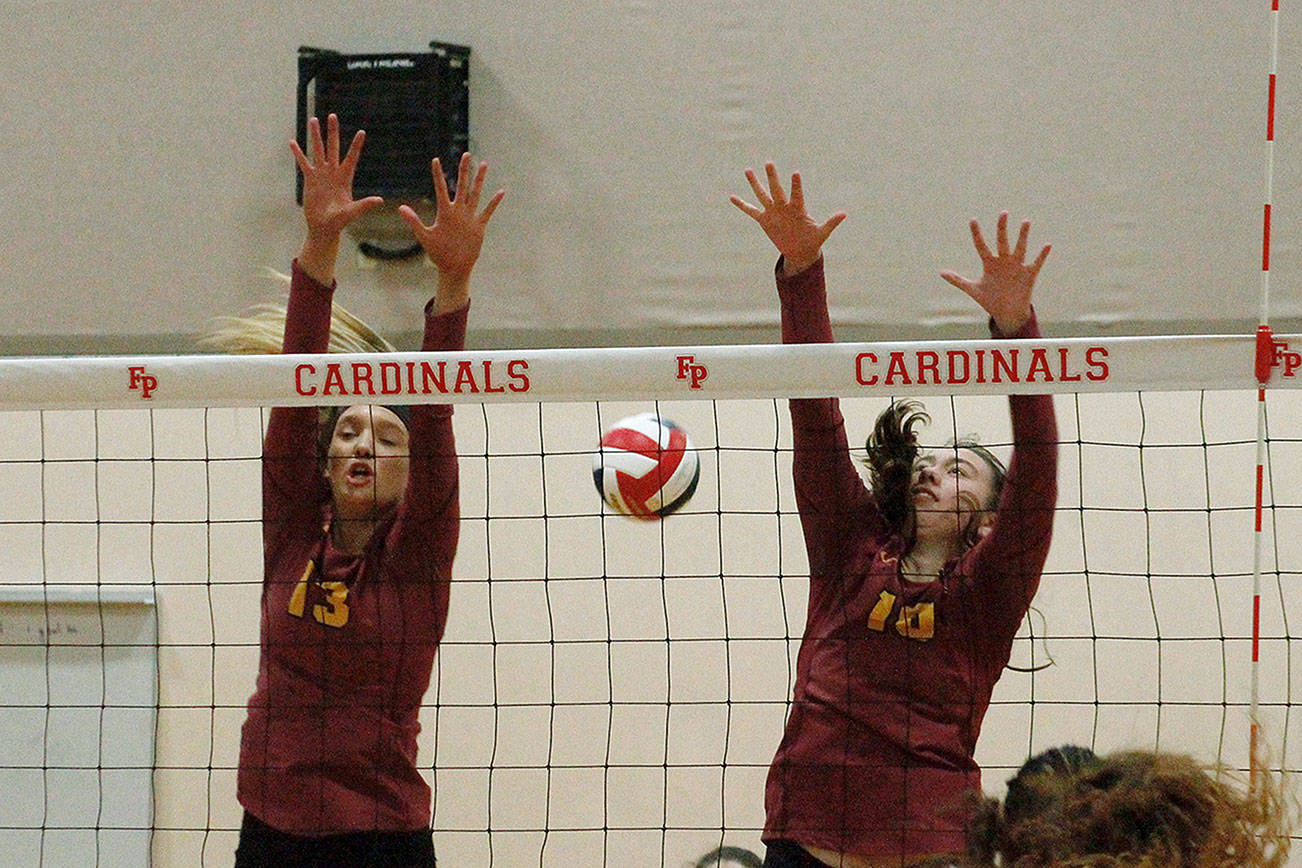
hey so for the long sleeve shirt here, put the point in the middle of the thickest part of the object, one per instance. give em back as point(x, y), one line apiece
point(893, 676)
point(347, 640)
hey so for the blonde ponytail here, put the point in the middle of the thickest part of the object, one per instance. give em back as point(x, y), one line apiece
point(262, 329)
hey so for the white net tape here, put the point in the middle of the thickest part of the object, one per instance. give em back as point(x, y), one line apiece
point(1068, 365)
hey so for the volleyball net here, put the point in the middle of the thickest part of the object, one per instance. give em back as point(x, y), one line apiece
point(611, 691)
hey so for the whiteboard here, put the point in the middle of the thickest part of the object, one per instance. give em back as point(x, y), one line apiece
point(78, 705)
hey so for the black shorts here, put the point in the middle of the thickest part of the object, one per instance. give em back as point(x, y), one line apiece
point(264, 847)
point(789, 854)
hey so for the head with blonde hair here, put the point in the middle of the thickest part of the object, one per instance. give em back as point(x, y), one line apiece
point(363, 448)
point(1068, 808)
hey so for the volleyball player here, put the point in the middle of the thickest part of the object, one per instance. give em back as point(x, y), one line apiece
point(358, 542)
point(917, 584)
point(1131, 809)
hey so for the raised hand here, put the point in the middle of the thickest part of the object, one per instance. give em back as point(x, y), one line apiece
point(454, 239)
point(1004, 290)
point(785, 221)
point(328, 204)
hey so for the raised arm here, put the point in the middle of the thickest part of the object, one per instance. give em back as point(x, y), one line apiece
point(425, 536)
point(1009, 559)
point(290, 471)
point(328, 204)
point(453, 241)
point(830, 494)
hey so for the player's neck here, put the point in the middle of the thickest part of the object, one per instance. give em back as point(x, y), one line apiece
point(351, 536)
point(924, 561)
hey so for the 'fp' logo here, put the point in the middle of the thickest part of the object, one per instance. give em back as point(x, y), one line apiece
point(146, 383)
point(689, 370)
point(1290, 360)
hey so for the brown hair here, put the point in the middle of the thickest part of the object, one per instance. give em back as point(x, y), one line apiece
point(1067, 808)
point(892, 455)
point(892, 452)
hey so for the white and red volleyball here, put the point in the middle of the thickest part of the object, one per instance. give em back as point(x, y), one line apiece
point(647, 467)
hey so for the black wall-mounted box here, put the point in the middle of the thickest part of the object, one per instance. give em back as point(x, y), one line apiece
point(413, 106)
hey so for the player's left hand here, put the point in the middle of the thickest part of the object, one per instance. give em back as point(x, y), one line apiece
point(454, 239)
point(1004, 290)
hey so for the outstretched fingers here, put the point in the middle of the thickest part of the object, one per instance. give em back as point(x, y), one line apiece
point(412, 219)
point(314, 144)
point(325, 149)
point(1019, 252)
point(477, 186)
point(797, 192)
point(469, 187)
point(830, 224)
point(332, 139)
point(1039, 261)
point(784, 217)
point(354, 154)
point(328, 204)
point(776, 192)
point(746, 208)
point(465, 192)
point(1003, 250)
point(1007, 280)
point(304, 165)
point(761, 195)
point(470, 194)
point(441, 197)
point(315, 140)
point(487, 213)
point(774, 197)
point(953, 279)
point(979, 240)
point(461, 206)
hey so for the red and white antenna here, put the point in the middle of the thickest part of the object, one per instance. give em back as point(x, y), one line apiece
point(1265, 362)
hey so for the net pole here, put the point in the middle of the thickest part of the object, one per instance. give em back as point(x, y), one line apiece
point(1264, 364)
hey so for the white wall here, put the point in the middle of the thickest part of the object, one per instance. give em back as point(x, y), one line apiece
point(146, 181)
point(146, 177)
point(622, 685)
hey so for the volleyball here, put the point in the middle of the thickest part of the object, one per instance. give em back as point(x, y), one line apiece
point(647, 467)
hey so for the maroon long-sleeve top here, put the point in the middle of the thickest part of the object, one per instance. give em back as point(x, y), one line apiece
point(347, 640)
point(894, 677)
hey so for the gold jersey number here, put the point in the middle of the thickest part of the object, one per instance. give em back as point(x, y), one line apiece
point(332, 611)
point(913, 622)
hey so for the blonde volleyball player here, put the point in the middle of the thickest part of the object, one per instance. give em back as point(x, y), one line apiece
point(918, 583)
point(1130, 809)
point(358, 542)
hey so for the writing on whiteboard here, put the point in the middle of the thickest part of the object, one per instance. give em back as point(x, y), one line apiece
point(28, 631)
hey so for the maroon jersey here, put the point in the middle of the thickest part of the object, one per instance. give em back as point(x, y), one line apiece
point(347, 641)
point(894, 677)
